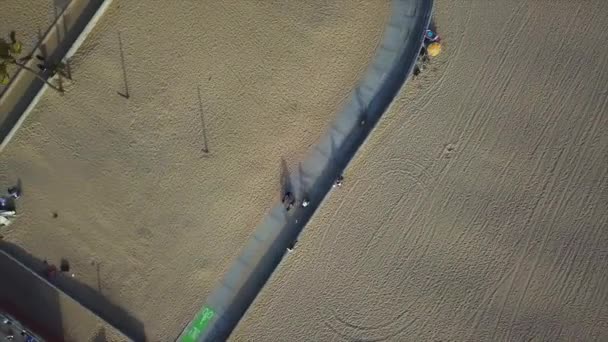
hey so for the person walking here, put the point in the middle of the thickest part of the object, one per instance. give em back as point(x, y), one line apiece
point(288, 200)
point(338, 182)
point(305, 202)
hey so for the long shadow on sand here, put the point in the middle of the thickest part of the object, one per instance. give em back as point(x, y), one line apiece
point(87, 296)
point(29, 300)
point(286, 185)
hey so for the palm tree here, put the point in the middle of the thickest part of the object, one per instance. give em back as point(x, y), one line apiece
point(9, 53)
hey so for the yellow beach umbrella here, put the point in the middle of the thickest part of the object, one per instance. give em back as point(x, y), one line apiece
point(434, 49)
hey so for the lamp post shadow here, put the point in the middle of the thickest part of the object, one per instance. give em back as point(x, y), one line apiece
point(126, 94)
point(205, 148)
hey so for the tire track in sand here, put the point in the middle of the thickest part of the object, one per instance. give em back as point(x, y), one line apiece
point(416, 180)
point(481, 84)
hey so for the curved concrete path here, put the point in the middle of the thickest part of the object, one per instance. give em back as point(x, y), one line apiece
point(394, 61)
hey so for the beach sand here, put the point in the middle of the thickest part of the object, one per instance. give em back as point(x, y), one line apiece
point(122, 187)
point(477, 211)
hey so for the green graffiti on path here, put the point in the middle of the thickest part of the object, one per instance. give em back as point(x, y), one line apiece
point(198, 325)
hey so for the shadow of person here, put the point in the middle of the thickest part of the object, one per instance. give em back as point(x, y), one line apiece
point(286, 185)
point(8, 202)
point(433, 25)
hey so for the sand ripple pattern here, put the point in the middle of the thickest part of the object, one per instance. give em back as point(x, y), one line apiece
point(378, 250)
point(477, 210)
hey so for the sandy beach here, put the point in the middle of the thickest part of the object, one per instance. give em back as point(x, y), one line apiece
point(477, 210)
point(150, 196)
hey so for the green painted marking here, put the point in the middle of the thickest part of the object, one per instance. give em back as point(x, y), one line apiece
point(197, 327)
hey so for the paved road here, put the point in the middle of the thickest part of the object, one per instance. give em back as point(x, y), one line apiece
point(392, 64)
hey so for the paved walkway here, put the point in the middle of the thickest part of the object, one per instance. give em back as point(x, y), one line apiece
point(394, 61)
point(59, 43)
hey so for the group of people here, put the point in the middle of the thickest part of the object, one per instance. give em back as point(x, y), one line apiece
point(46, 66)
point(9, 54)
point(7, 205)
point(431, 47)
point(289, 201)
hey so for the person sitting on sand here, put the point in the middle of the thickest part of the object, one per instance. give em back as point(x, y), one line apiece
point(430, 37)
point(432, 43)
point(7, 206)
point(6, 202)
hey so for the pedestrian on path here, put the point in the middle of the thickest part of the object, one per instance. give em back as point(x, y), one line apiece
point(338, 182)
point(50, 271)
point(288, 200)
